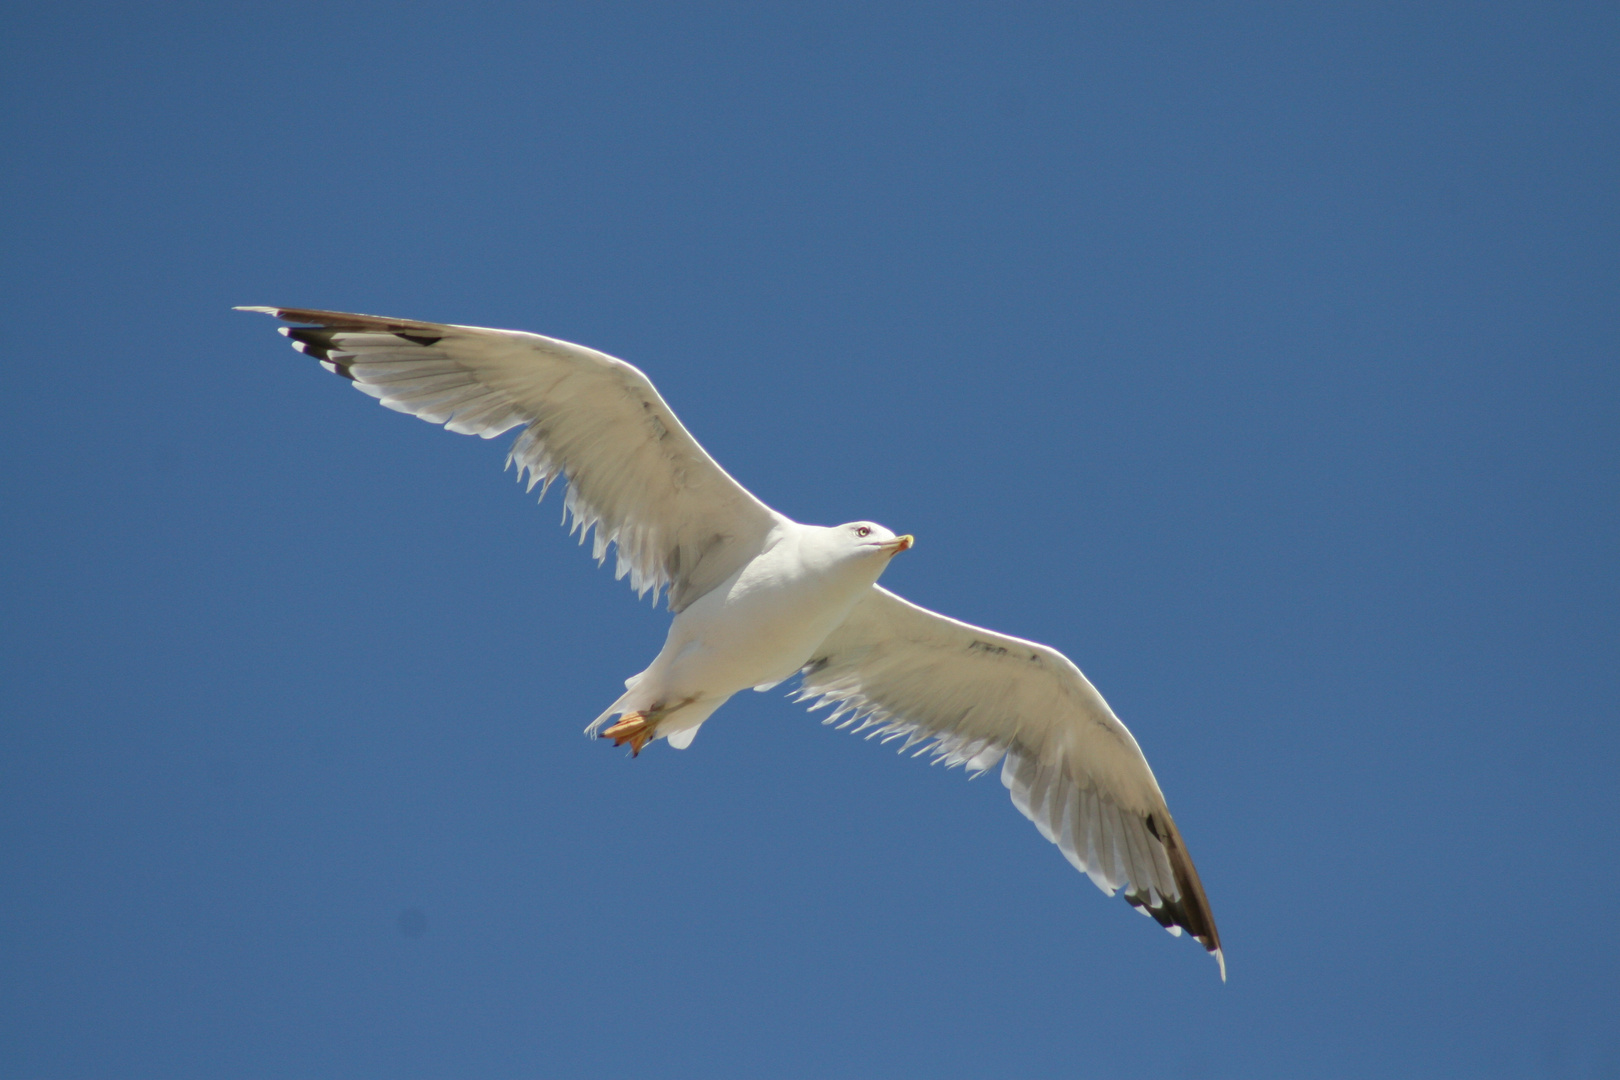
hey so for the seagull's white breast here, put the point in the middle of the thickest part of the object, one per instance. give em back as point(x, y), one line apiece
point(763, 624)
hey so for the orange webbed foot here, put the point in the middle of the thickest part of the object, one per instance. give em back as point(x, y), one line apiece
point(635, 729)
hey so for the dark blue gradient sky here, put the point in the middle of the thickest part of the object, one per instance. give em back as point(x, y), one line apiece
point(1262, 358)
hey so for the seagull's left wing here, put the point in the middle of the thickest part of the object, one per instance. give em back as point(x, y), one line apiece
point(678, 520)
point(896, 670)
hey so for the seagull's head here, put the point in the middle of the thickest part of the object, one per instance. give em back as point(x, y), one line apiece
point(871, 539)
point(858, 552)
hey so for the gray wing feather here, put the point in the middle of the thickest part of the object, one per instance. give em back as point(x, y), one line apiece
point(636, 478)
point(973, 697)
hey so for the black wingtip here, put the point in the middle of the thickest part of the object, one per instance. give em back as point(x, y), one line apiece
point(316, 341)
point(1190, 910)
point(318, 336)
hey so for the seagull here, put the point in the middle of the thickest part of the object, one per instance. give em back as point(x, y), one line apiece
point(758, 598)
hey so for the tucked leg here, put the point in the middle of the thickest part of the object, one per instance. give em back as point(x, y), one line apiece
point(640, 728)
point(636, 728)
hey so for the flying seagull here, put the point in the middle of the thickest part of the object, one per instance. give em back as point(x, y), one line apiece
point(758, 598)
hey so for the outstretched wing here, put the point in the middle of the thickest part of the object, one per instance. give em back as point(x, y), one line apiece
point(634, 473)
point(896, 670)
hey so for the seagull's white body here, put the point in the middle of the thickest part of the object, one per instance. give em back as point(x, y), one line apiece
point(757, 628)
point(758, 598)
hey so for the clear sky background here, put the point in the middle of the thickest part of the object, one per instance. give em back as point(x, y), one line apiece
point(1262, 358)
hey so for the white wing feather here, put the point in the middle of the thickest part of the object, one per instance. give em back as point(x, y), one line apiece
point(971, 697)
point(634, 473)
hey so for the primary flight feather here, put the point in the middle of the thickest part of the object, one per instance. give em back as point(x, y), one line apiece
point(758, 598)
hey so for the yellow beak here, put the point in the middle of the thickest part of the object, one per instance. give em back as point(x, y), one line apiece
point(899, 544)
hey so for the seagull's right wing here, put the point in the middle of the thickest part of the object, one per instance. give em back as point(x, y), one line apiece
point(634, 473)
point(972, 696)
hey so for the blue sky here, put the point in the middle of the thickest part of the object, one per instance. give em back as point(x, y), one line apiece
point(1263, 359)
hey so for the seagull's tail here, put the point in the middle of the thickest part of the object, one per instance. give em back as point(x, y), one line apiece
point(618, 708)
point(678, 723)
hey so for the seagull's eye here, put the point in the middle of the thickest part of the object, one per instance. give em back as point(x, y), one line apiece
point(863, 531)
